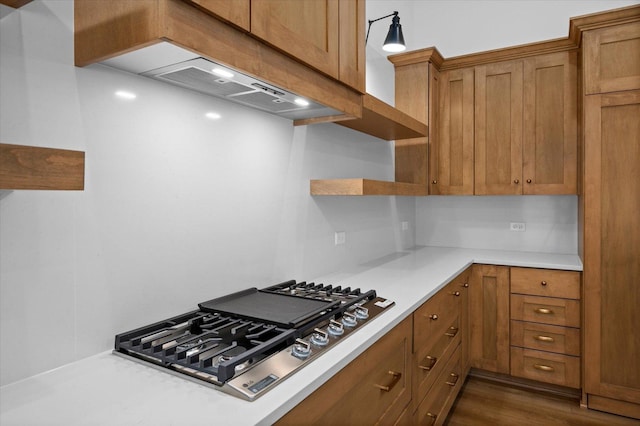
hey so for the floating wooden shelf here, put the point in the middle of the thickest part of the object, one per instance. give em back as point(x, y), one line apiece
point(359, 186)
point(385, 122)
point(378, 119)
point(16, 4)
point(30, 167)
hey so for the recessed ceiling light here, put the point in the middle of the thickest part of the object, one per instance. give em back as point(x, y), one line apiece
point(213, 115)
point(125, 95)
point(222, 73)
point(301, 102)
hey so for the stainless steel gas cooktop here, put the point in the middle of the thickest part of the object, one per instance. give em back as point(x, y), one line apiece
point(247, 342)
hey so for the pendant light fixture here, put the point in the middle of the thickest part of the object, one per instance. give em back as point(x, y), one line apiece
point(395, 40)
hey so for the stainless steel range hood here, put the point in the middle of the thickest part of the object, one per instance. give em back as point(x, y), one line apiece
point(172, 64)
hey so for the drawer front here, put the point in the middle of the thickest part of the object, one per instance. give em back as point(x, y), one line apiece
point(545, 282)
point(546, 367)
point(546, 310)
point(375, 387)
point(434, 317)
point(430, 362)
point(434, 407)
point(550, 338)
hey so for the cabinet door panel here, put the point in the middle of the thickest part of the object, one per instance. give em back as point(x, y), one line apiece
point(550, 124)
point(308, 30)
point(612, 62)
point(452, 149)
point(352, 49)
point(612, 245)
point(489, 318)
point(498, 129)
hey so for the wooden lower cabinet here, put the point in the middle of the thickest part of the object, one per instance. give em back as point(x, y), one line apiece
point(353, 396)
point(489, 318)
point(439, 336)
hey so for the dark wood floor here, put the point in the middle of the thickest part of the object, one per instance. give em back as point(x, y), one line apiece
point(485, 403)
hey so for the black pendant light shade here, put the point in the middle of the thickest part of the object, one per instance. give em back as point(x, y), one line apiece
point(395, 40)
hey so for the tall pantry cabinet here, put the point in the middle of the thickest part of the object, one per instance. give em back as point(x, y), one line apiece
point(610, 207)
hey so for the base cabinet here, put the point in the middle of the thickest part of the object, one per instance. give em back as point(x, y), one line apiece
point(489, 318)
point(375, 388)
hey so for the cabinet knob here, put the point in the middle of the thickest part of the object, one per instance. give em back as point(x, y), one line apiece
point(516, 181)
point(456, 293)
point(465, 285)
point(434, 182)
point(543, 283)
point(433, 317)
point(528, 180)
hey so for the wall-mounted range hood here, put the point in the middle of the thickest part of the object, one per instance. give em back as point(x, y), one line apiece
point(172, 64)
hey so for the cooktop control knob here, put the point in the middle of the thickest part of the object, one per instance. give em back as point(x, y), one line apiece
point(301, 349)
point(335, 328)
point(349, 320)
point(362, 312)
point(319, 337)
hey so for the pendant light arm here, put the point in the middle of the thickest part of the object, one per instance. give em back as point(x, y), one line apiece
point(371, 21)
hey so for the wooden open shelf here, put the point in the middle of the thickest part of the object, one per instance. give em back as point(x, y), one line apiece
point(16, 4)
point(378, 119)
point(360, 186)
point(385, 122)
point(30, 167)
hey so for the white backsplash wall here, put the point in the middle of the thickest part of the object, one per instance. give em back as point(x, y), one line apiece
point(483, 222)
point(177, 208)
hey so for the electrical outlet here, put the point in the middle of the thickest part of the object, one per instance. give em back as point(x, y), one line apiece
point(518, 226)
point(404, 225)
point(340, 238)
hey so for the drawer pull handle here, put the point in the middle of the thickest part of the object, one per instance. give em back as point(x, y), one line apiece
point(456, 293)
point(433, 317)
point(431, 362)
point(452, 332)
point(433, 418)
point(394, 380)
point(453, 380)
point(543, 283)
point(544, 338)
point(543, 367)
point(543, 311)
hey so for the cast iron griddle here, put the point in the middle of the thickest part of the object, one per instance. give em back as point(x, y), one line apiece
point(280, 309)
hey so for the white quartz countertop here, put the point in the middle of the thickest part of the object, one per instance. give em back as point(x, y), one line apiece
point(106, 389)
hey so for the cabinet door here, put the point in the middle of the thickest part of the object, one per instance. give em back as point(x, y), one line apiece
point(307, 30)
point(352, 49)
point(235, 12)
point(611, 58)
point(498, 129)
point(489, 318)
point(550, 141)
point(612, 251)
point(452, 149)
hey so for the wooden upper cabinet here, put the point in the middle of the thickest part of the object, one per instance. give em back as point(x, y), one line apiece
point(498, 128)
point(307, 30)
point(550, 124)
point(237, 12)
point(612, 58)
point(324, 34)
point(451, 160)
point(352, 48)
